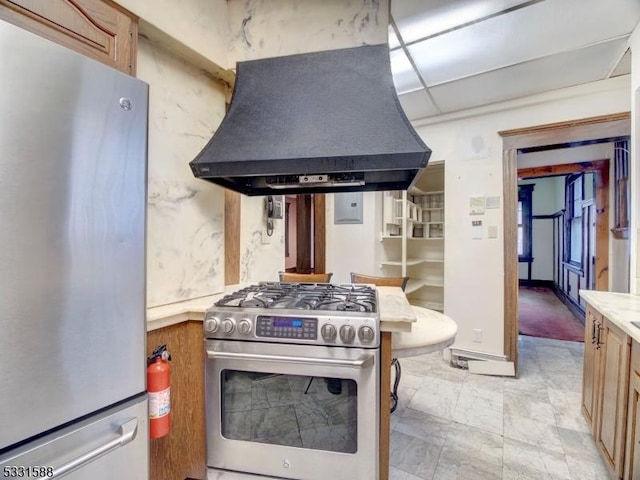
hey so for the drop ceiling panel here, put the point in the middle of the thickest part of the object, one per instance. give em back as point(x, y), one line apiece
point(418, 19)
point(417, 105)
point(549, 73)
point(541, 29)
point(404, 76)
point(624, 65)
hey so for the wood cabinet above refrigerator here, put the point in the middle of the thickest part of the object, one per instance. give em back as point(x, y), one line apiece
point(98, 29)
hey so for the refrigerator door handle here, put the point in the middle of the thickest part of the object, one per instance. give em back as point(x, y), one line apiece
point(126, 433)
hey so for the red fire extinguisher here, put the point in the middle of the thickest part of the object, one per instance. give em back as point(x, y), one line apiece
point(159, 388)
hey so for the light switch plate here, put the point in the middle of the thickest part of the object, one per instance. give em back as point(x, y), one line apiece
point(492, 231)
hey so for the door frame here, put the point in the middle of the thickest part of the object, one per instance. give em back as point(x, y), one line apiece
point(604, 126)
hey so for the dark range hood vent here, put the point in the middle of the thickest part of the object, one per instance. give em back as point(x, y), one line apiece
point(314, 123)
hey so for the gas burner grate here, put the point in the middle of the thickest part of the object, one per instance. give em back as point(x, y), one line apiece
point(304, 296)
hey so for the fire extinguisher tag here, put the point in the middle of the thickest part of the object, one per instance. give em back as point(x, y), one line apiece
point(159, 403)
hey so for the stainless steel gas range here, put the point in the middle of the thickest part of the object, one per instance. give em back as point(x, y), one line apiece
point(292, 381)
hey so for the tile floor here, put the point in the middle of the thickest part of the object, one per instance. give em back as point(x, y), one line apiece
point(451, 424)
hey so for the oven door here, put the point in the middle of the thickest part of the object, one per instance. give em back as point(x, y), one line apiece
point(293, 411)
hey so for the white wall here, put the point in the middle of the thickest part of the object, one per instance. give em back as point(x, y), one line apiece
point(352, 247)
point(471, 147)
point(185, 226)
point(473, 152)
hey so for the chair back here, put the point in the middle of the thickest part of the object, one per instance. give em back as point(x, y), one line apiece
point(290, 277)
point(380, 281)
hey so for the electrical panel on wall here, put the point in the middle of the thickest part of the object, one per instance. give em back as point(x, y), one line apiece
point(347, 207)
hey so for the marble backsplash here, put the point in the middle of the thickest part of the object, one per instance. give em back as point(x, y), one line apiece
point(185, 217)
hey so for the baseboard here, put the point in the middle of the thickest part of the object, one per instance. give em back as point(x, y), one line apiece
point(460, 357)
point(536, 283)
point(573, 306)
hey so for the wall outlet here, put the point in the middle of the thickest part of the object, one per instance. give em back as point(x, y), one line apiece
point(492, 231)
point(477, 335)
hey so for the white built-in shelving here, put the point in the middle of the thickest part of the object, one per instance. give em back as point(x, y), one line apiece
point(412, 236)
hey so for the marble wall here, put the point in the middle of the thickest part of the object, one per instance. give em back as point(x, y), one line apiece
point(261, 255)
point(200, 25)
point(185, 225)
point(271, 28)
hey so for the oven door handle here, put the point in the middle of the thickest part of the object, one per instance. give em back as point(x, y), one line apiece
point(364, 361)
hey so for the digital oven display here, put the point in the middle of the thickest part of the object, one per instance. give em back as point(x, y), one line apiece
point(287, 327)
point(287, 322)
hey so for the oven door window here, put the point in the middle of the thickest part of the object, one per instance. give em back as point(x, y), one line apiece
point(296, 411)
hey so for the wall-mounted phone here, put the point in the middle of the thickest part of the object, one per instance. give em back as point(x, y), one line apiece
point(274, 207)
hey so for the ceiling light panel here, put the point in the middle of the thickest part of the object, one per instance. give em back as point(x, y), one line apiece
point(549, 73)
point(405, 78)
point(533, 32)
point(418, 19)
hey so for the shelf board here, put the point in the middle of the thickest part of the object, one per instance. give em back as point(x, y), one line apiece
point(394, 237)
point(438, 306)
point(410, 262)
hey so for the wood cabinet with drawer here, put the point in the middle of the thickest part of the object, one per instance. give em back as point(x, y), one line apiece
point(605, 389)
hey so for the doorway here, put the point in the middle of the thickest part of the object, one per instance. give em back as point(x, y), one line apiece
point(557, 242)
point(549, 136)
point(305, 233)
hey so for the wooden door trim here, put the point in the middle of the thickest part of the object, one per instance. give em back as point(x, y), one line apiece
point(319, 233)
point(232, 218)
point(510, 230)
point(604, 126)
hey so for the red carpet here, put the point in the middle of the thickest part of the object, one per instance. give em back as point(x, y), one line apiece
point(542, 314)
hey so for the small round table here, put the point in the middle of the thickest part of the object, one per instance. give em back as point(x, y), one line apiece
point(432, 331)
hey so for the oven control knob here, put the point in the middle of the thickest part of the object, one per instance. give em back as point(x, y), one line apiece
point(328, 332)
point(347, 334)
point(211, 325)
point(366, 334)
point(244, 326)
point(228, 325)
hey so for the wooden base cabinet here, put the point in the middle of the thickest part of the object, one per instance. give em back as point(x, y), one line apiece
point(613, 388)
point(632, 452)
point(606, 394)
point(182, 453)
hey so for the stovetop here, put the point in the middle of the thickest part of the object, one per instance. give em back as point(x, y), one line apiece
point(306, 313)
point(304, 296)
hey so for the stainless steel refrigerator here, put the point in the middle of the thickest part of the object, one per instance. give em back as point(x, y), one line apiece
point(73, 147)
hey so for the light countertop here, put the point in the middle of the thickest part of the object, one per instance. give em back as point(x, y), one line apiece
point(396, 315)
point(416, 330)
point(432, 332)
point(619, 308)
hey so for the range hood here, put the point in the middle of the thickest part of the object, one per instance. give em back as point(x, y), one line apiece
point(317, 122)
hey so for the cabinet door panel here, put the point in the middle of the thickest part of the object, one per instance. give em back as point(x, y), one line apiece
point(590, 367)
point(612, 398)
point(632, 453)
point(98, 29)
